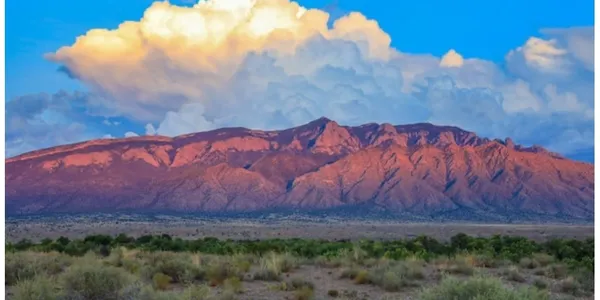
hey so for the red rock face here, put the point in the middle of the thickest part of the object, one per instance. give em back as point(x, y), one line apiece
point(421, 169)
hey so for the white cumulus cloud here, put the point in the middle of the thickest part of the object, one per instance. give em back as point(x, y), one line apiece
point(273, 64)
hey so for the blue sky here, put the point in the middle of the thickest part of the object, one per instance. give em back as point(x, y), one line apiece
point(486, 30)
point(483, 29)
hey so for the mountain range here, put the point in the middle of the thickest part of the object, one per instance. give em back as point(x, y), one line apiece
point(417, 170)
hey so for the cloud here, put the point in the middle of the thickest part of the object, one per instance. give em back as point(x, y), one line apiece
point(452, 59)
point(43, 120)
point(130, 134)
point(275, 64)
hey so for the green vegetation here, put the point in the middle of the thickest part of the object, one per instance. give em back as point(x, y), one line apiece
point(528, 253)
point(162, 267)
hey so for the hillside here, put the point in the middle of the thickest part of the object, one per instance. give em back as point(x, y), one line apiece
point(419, 169)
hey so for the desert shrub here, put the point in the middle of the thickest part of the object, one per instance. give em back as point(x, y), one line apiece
point(528, 263)
point(242, 263)
point(461, 265)
point(36, 288)
point(557, 271)
point(478, 288)
point(280, 286)
point(350, 272)
point(273, 265)
point(487, 261)
point(26, 265)
point(570, 286)
point(328, 262)
point(543, 259)
point(333, 293)
point(280, 263)
point(391, 281)
point(139, 291)
point(512, 273)
point(133, 266)
point(393, 277)
point(161, 281)
point(362, 277)
point(585, 278)
point(458, 265)
point(19, 267)
point(356, 255)
point(266, 274)
point(412, 270)
point(94, 281)
point(299, 283)
point(540, 283)
point(196, 292)
point(233, 284)
point(305, 293)
point(218, 270)
point(539, 271)
point(115, 258)
point(150, 294)
point(177, 266)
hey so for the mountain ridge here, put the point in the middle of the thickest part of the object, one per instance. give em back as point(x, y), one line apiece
point(421, 169)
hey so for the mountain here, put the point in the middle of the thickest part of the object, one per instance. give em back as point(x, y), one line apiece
point(419, 170)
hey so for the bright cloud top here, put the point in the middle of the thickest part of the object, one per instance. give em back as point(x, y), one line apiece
point(273, 64)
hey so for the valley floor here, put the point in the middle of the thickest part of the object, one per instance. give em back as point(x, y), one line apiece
point(36, 229)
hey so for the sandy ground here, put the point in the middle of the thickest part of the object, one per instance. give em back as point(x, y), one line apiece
point(36, 229)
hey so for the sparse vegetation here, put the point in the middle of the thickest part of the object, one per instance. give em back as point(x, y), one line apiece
point(234, 285)
point(162, 267)
point(94, 281)
point(513, 274)
point(36, 288)
point(479, 288)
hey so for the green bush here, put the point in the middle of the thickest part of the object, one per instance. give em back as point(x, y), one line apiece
point(478, 288)
point(333, 293)
point(574, 253)
point(94, 281)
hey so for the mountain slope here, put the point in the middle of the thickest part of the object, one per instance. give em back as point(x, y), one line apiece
point(419, 169)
